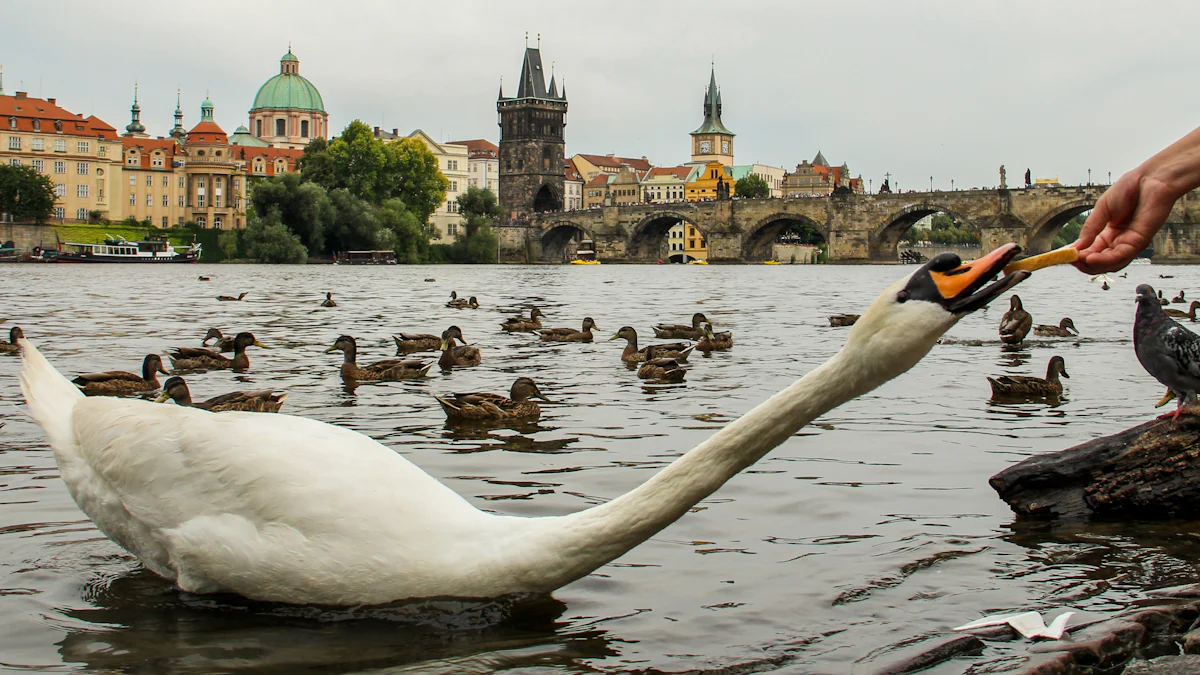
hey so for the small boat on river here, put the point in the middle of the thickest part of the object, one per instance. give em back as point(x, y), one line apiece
point(120, 250)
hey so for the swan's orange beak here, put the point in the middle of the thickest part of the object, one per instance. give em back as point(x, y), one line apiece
point(960, 286)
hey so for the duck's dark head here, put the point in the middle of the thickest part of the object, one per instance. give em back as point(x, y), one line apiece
point(589, 324)
point(244, 339)
point(344, 343)
point(15, 334)
point(698, 318)
point(1059, 365)
point(152, 364)
point(525, 388)
point(176, 389)
point(212, 334)
point(626, 332)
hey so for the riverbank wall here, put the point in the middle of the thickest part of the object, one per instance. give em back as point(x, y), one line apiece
point(27, 236)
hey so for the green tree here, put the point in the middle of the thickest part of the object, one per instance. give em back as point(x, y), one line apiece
point(752, 186)
point(355, 223)
point(271, 242)
point(228, 240)
point(413, 176)
point(26, 194)
point(478, 207)
point(304, 208)
point(1070, 231)
point(410, 238)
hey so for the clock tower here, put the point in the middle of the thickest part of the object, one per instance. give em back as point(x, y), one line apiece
point(712, 142)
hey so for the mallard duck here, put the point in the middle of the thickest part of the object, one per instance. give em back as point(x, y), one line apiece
point(631, 354)
point(121, 381)
point(281, 508)
point(485, 407)
point(459, 303)
point(188, 358)
point(1015, 323)
point(712, 342)
point(329, 300)
point(569, 334)
point(266, 400)
point(1179, 300)
point(407, 343)
point(522, 324)
point(204, 278)
point(1161, 300)
point(230, 298)
point(1065, 328)
point(660, 368)
point(1032, 387)
point(223, 344)
point(387, 370)
point(838, 320)
point(1179, 313)
point(12, 346)
point(676, 331)
point(459, 356)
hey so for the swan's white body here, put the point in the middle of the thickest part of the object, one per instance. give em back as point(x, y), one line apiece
point(283, 508)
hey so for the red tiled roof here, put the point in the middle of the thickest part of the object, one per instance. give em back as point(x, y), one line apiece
point(146, 147)
point(677, 171)
point(269, 157)
point(207, 132)
point(47, 112)
point(617, 162)
point(479, 148)
point(600, 179)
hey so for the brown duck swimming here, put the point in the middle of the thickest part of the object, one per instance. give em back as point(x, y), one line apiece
point(265, 400)
point(713, 342)
point(407, 343)
point(676, 331)
point(1065, 328)
point(387, 370)
point(122, 382)
point(485, 407)
point(230, 298)
point(838, 320)
point(1016, 322)
point(1179, 313)
point(328, 300)
point(660, 368)
point(671, 350)
point(522, 324)
point(188, 358)
point(1161, 300)
point(223, 344)
point(569, 334)
point(1179, 299)
point(459, 303)
point(12, 347)
point(457, 356)
point(1024, 386)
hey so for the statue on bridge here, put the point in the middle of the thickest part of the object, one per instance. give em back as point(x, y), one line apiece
point(1003, 178)
point(722, 188)
point(1028, 179)
point(886, 188)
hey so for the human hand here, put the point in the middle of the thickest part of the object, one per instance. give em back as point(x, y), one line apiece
point(1123, 223)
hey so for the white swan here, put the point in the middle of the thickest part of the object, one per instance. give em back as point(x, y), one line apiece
point(289, 509)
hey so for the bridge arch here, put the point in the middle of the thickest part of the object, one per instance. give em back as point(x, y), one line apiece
point(1042, 233)
point(756, 243)
point(560, 240)
point(885, 240)
point(648, 239)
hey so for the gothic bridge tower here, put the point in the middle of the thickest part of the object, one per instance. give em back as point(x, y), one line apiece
point(531, 142)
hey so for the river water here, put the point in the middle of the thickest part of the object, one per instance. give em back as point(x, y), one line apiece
point(867, 532)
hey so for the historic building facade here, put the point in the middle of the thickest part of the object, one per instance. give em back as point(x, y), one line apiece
point(711, 182)
point(532, 126)
point(483, 164)
point(712, 142)
point(818, 178)
point(81, 155)
point(572, 187)
point(453, 161)
point(288, 111)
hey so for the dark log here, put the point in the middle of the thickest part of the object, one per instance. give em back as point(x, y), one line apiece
point(1151, 471)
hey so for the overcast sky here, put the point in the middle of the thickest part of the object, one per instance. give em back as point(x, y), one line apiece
point(918, 89)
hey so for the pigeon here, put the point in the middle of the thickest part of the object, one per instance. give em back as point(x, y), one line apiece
point(1028, 624)
point(1167, 350)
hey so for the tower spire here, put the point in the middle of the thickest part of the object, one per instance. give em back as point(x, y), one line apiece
point(1, 79)
point(178, 132)
point(135, 126)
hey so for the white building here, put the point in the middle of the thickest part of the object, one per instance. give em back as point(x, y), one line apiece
point(773, 175)
point(572, 188)
point(453, 161)
point(483, 164)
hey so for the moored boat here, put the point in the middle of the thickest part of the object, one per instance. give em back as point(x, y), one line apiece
point(122, 250)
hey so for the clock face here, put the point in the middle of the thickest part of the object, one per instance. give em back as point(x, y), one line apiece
point(725, 147)
point(705, 147)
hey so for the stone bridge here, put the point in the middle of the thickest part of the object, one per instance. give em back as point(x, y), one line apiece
point(855, 228)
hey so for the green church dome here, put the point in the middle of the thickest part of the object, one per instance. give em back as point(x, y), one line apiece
point(288, 89)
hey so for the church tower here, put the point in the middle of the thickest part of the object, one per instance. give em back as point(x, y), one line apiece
point(532, 178)
point(712, 142)
point(135, 128)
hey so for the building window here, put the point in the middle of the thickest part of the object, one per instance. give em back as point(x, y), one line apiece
point(132, 199)
point(181, 200)
point(60, 190)
point(200, 183)
point(131, 160)
point(202, 221)
point(281, 127)
point(149, 200)
point(37, 143)
point(149, 180)
point(166, 181)
point(14, 161)
point(37, 165)
point(81, 190)
point(454, 186)
point(133, 179)
point(237, 184)
point(166, 200)
point(81, 147)
point(81, 214)
point(12, 123)
point(83, 168)
point(452, 229)
point(304, 128)
point(217, 201)
point(14, 142)
point(156, 161)
point(217, 222)
point(60, 212)
point(258, 128)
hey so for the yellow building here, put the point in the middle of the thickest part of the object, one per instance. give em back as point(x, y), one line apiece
point(595, 191)
point(708, 184)
point(625, 187)
point(81, 155)
point(712, 142)
point(590, 166)
point(686, 243)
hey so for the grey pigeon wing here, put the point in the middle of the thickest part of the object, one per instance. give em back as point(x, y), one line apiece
point(1183, 347)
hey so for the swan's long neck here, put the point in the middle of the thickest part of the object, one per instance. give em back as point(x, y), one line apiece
point(569, 547)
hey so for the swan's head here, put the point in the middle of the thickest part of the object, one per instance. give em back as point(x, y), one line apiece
point(904, 323)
